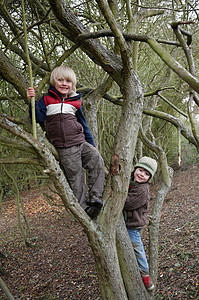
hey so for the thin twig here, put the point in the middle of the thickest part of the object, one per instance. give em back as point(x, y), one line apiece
point(30, 70)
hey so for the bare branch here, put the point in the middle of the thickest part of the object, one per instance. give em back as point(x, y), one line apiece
point(11, 160)
point(174, 121)
point(185, 45)
point(34, 130)
point(128, 37)
point(163, 54)
point(109, 61)
point(12, 75)
point(172, 105)
point(156, 92)
point(15, 143)
point(6, 290)
point(192, 81)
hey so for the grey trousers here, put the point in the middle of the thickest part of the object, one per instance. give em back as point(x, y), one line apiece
point(75, 160)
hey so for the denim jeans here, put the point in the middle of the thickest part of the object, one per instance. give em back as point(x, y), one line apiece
point(139, 250)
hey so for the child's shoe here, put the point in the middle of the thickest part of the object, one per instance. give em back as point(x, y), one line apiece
point(147, 282)
point(95, 201)
point(92, 211)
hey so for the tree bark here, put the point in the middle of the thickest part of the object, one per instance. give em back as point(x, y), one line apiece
point(128, 264)
point(90, 107)
point(167, 175)
point(107, 268)
point(109, 61)
point(12, 75)
point(192, 81)
point(173, 120)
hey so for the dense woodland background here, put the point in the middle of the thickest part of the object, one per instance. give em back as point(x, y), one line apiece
point(160, 40)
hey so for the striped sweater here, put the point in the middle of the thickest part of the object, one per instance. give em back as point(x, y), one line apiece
point(63, 118)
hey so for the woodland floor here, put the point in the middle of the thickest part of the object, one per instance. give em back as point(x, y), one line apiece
point(60, 264)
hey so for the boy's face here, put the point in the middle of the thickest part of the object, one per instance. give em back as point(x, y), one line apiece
point(63, 86)
point(141, 175)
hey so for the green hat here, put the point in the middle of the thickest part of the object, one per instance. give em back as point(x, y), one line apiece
point(148, 164)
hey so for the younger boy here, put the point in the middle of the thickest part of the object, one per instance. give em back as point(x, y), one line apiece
point(136, 212)
point(66, 128)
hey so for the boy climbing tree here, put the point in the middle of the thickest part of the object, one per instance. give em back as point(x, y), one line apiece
point(60, 112)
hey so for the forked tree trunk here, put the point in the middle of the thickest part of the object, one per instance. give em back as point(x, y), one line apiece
point(107, 268)
point(116, 265)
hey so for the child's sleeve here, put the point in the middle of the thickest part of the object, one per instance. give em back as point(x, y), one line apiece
point(81, 119)
point(136, 197)
point(40, 110)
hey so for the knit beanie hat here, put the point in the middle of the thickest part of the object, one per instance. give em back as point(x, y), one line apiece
point(148, 164)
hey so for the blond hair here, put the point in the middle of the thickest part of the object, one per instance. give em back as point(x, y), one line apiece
point(64, 72)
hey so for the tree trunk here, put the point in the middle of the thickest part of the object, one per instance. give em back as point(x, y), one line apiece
point(128, 264)
point(154, 225)
point(167, 174)
point(90, 107)
point(107, 268)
